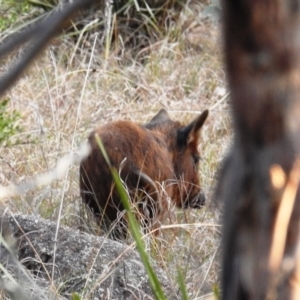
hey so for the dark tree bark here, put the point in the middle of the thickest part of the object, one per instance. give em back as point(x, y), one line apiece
point(259, 179)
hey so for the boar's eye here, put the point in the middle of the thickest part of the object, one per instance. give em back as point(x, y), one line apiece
point(196, 158)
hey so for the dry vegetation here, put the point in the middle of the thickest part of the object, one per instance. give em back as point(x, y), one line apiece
point(60, 102)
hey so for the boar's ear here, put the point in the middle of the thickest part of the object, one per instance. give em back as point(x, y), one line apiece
point(161, 117)
point(190, 132)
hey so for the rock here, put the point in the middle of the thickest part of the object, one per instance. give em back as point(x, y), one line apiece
point(94, 267)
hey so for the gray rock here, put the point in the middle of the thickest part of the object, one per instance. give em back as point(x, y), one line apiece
point(212, 12)
point(94, 267)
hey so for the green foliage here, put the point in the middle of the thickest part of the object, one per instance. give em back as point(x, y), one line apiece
point(75, 296)
point(10, 13)
point(8, 122)
point(216, 292)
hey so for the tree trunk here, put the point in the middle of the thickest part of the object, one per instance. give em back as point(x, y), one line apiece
point(259, 180)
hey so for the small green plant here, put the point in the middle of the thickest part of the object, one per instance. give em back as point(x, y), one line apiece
point(11, 10)
point(8, 123)
point(75, 296)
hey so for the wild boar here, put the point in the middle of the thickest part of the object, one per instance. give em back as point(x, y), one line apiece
point(158, 163)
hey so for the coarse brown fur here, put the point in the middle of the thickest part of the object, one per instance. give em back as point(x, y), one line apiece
point(157, 161)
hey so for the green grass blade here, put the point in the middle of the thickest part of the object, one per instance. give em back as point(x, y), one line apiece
point(182, 285)
point(134, 227)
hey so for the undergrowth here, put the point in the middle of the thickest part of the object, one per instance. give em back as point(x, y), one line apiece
point(66, 93)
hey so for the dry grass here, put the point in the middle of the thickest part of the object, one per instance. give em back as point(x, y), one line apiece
point(61, 103)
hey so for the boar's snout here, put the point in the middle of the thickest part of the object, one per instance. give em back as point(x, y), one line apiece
point(198, 201)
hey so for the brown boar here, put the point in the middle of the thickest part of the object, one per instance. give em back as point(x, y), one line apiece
point(158, 162)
